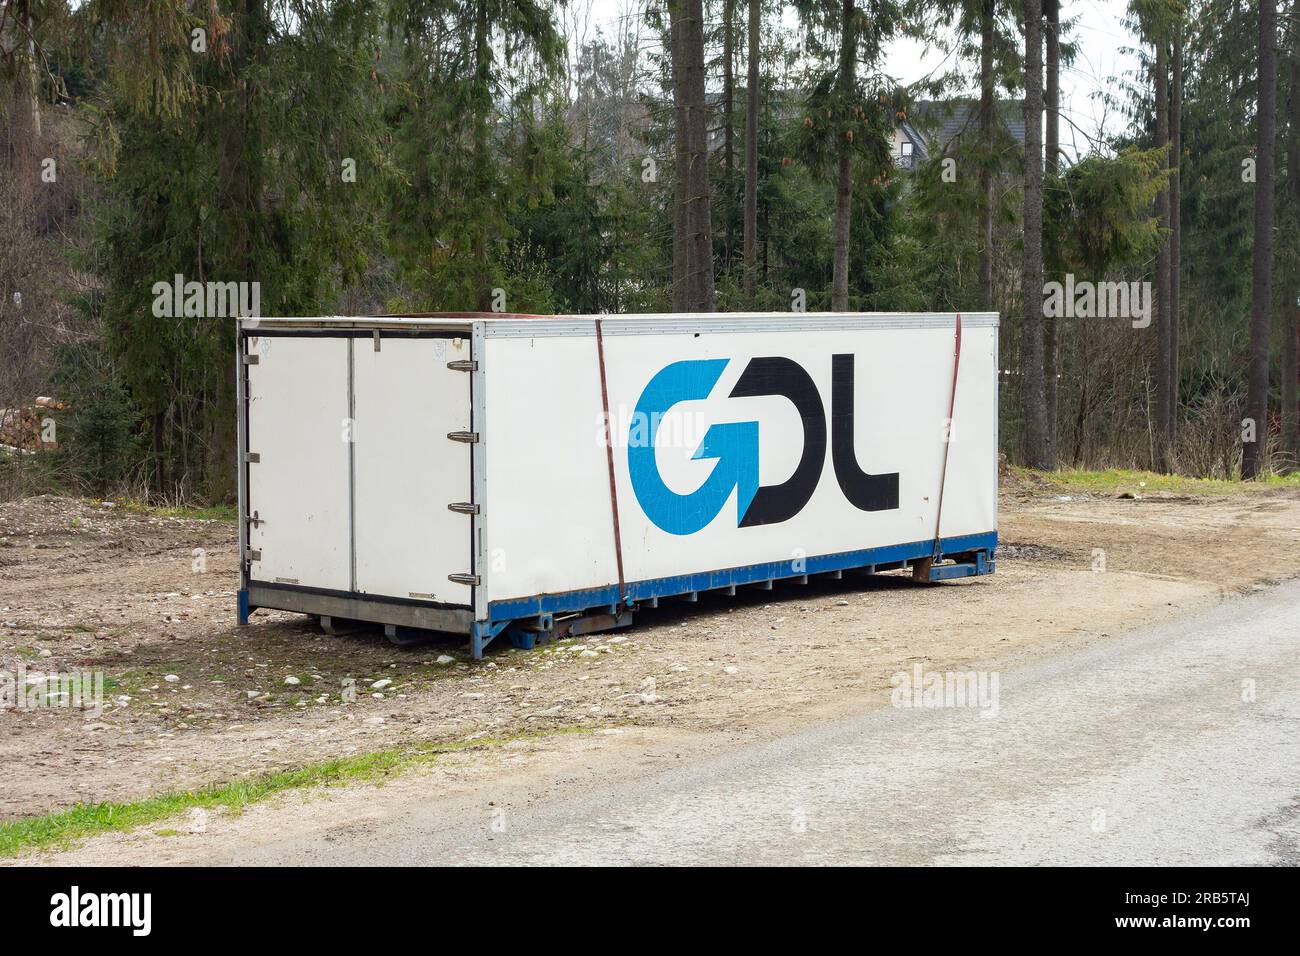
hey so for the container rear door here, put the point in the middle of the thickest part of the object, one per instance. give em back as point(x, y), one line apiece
point(298, 484)
point(406, 401)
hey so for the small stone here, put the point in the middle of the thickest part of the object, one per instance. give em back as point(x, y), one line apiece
point(589, 654)
point(445, 660)
point(171, 678)
point(292, 681)
point(380, 684)
point(731, 669)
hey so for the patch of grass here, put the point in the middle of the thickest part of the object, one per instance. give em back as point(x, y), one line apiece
point(90, 819)
point(1115, 481)
point(198, 512)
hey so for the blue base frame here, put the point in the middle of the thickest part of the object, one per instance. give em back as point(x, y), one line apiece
point(975, 550)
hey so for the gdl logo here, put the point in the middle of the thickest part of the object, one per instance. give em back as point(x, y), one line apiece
point(735, 446)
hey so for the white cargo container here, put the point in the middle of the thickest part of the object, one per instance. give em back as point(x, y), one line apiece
point(531, 476)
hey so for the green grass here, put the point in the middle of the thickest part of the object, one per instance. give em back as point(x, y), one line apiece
point(60, 829)
point(199, 512)
point(1120, 480)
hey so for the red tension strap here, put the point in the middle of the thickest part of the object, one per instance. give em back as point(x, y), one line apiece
point(947, 438)
point(609, 459)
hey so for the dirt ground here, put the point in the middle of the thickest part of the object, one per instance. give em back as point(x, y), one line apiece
point(190, 698)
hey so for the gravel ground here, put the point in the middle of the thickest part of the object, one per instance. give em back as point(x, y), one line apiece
point(190, 698)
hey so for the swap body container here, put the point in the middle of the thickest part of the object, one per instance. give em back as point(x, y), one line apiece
point(532, 476)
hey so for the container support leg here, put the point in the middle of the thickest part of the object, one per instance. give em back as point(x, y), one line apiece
point(484, 633)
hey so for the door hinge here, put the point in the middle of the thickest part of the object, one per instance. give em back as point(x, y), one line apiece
point(252, 458)
point(463, 365)
point(254, 554)
point(252, 359)
point(471, 579)
point(469, 438)
point(254, 519)
point(463, 507)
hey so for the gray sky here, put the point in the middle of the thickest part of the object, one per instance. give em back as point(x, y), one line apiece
point(1098, 31)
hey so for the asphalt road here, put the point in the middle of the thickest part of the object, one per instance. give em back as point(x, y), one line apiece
point(1178, 744)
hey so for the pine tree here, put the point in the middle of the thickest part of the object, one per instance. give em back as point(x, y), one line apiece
point(1254, 457)
point(1036, 449)
point(753, 34)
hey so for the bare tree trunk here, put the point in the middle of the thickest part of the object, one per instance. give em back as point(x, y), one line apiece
point(19, 41)
point(1052, 88)
point(751, 149)
point(1290, 383)
point(1031, 357)
point(1175, 229)
point(482, 106)
point(681, 244)
point(1163, 372)
point(844, 174)
point(728, 122)
point(986, 140)
point(1261, 302)
point(1052, 153)
point(1291, 309)
point(33, 76)
point(699, 275)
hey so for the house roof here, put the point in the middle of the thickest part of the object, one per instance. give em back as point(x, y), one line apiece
point(940, 123)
